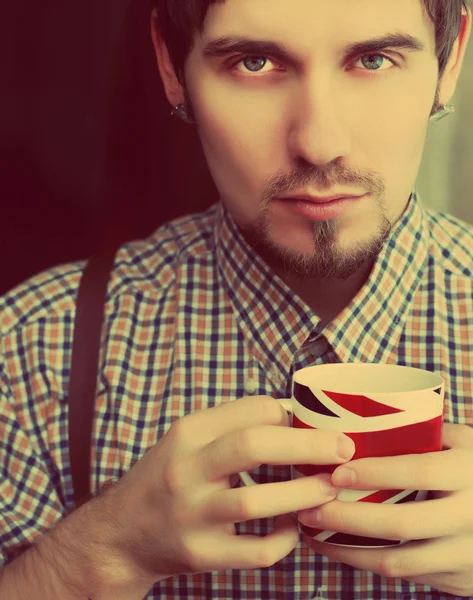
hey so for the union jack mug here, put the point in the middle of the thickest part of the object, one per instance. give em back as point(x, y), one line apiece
point(387, 410)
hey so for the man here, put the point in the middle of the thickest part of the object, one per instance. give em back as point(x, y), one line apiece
point(313, 116)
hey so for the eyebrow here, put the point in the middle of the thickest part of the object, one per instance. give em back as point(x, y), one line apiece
point(225, 45)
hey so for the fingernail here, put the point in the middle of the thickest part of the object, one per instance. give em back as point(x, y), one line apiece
point(344, 477)
point(327, 485)
point(310, 517)
point(317, 516)
point(345, 447)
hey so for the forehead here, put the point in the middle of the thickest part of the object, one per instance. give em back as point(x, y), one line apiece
point(309, 21)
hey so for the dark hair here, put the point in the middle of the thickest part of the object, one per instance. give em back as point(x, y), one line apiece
point(180, 20)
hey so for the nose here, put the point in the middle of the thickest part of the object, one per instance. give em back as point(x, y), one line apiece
point(319, 133)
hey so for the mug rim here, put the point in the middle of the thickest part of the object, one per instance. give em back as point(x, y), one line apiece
point(440, 381)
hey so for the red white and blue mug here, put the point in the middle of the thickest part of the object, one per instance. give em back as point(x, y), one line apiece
point(387, 410)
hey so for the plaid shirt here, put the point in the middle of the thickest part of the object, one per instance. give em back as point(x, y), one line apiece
point(193, 319)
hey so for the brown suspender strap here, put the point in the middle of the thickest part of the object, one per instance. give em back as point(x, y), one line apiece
point(84, 368)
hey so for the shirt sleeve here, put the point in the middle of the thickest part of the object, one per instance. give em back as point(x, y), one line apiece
point(29, 502)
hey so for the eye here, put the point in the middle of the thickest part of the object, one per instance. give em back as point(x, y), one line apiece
point(252, 64)
point(370, 62)
point(376, 62)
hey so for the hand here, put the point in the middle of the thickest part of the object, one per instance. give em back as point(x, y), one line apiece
point(174, 511)
point(442, 555)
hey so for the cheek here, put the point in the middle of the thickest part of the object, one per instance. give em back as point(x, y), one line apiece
point(234, 161)
point(394, 132)
point(235, 125)
point(235, 149)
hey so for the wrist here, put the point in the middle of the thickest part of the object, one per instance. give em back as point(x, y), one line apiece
point(85, 558)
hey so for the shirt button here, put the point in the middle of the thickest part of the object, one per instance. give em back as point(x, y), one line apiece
point(319, 347)
point(251, 386)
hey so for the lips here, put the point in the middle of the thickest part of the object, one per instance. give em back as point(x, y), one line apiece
point(320, 200)
point(318, 209)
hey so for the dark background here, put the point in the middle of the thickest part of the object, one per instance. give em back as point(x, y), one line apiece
point(89, 154)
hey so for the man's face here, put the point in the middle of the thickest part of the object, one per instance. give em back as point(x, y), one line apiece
point(323, 121)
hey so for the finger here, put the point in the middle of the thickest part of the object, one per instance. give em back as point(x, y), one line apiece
point(449, 470)
point(253, 552)
point(238, 414)
point(409, 560)
point(457, 436)
point(268, 500)
point(249, 448)
point(409, 521)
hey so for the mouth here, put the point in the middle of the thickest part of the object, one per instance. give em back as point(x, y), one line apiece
point(320, 209)
point(322, 200)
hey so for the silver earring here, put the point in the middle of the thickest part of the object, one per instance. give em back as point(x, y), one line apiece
point(443, 112)
point(181, 112)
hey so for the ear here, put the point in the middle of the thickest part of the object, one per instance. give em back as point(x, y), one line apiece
point(452, 72)
point(173, 89)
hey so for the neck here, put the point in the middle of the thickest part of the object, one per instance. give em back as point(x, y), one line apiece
point(328, 297)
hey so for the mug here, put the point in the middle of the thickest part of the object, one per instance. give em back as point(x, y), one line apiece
point(387, 410)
